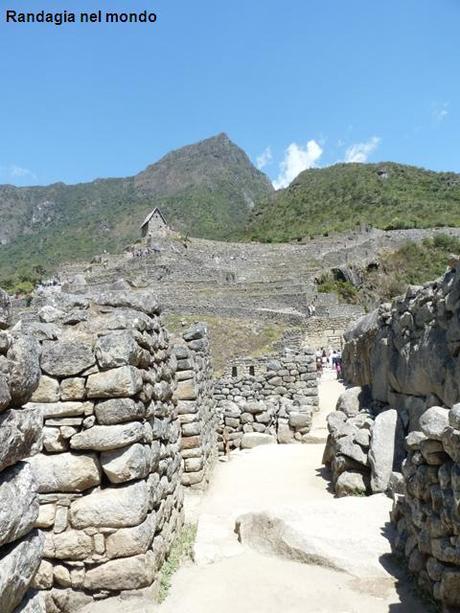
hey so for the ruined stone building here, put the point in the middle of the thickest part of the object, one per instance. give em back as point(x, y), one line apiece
point(154, 224)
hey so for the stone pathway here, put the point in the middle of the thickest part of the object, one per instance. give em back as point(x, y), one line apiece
point(287, 483)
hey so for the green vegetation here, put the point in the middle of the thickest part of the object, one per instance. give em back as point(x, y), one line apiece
point(231, 337)
point(345, 196)
point(412, 264)
point(181, 551)
point(345, 290)
point(204, 190)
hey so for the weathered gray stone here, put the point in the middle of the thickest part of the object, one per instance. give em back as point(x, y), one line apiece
point(131, 541)
point(68, 545)
point(33, 602)
point(47, 390)
point(65, 472)
point(20, 435)
point(116, 383)
point(386, 450)
point(106, 438)
point(73, 388)
point(454, 416)
point(351, 401)
point(434, 421)
point(351, 484)
point(186, 390)
point(119, 410)
point(122, 507)
point(62, 409)
point(5, 310)
point(139, 301)
point(18, 502)
point(126, 464)
point(254, 439)
point(18, 563)
point(124, 574)
point(66, 358)
point(24, 368)
point(5, 396)
point(117, 349)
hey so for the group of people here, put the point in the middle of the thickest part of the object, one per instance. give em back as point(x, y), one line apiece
point(330, 358)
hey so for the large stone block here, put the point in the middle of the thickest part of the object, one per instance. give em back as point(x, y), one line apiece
point(126, 464)
point(50, 410)
point(19, 503)
point(116, 383)
point(68, 545)
point(117, 349)
point(120, 507)
point(19, 562)
point(254, 439)
point(106, 438)
point(24, 368)
point(118, 411)
point(123, 574)
point(186, 390)
point(131, 541)
point(386, 451)
point(20, 435)
point(47, 390)
point(66, 358)
point(65, 472)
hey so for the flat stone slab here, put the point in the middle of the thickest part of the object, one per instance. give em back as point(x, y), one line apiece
point(344, 534)
point(254, 439)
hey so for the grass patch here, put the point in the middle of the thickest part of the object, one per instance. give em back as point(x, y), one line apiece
point(181, 551)
point(231, 337)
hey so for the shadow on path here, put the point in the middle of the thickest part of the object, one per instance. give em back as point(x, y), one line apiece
point(412, 599)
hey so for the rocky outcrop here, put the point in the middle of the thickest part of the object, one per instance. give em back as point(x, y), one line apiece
point(109, 475)
point(407, 355)
point(21, 546)
point(196, 406)
point(273, 396)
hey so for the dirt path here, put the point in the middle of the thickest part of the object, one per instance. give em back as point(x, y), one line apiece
point(229, 577)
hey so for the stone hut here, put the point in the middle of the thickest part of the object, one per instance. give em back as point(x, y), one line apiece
point(154, 224)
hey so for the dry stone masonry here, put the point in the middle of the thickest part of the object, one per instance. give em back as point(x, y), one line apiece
point(406, 357)
point(21, 545)
point(267, 400)
point(196, 406)
point(110, 471)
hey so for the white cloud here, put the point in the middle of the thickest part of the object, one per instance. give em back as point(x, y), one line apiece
point(440, 111)
point(264, 158)
point(13, 172)
point(18, 171)
point(360, 152)
point(297, 159)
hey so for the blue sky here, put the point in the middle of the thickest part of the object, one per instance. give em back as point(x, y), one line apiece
point(296, 84)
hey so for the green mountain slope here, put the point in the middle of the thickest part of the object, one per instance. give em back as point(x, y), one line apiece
point(340, 197)
point(206, 190)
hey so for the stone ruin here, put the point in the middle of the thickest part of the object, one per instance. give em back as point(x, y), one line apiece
point(21, 544)
point(104, 419)
point(110, 470)
point(196, 406)
point(398, 430)
point(272, 398)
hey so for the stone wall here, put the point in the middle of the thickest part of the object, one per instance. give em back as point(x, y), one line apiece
point(407, 355)
point(278, 400)
point(21, 545)
point(110, 471)
point(196, 406)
